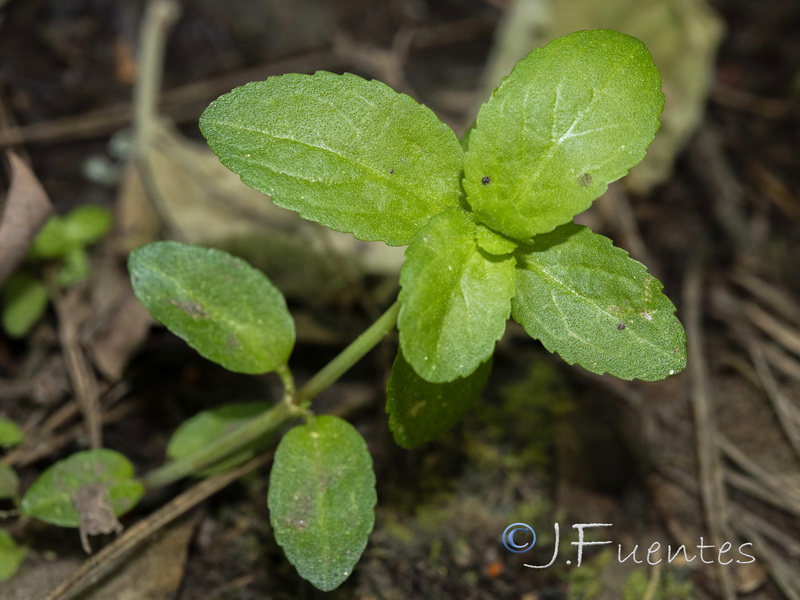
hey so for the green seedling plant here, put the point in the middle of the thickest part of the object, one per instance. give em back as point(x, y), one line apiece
point(488, 225)
point(60, 245)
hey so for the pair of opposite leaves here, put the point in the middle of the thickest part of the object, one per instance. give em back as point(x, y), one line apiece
point(488, 224)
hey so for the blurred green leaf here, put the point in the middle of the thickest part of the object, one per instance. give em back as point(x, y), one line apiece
point(11, 556)
point(51, 242)
point(10, 433)
point(24, 301)
point(322, 499)
point(59, 236)
point(86, 225)
point(221, 306)
point(52, 496)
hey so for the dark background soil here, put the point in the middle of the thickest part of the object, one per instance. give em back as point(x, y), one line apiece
point(549, 442)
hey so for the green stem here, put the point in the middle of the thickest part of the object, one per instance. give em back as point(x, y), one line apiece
point(349, 356)
point(222, 447)
point(280, 414)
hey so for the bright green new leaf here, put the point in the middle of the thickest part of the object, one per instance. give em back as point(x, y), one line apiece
point(420, 411)
point(51, 241)
point(596, 306)
point(86, 225)
point(52, 497)
point(348, 153)
point(207, 426)
point(24, 301)
point(322, 499)
point(455, 299)
point(82, 226)
point(10, 433)
point(569, 119)
point(11, 555)
point(9, 482)
point(221, 306)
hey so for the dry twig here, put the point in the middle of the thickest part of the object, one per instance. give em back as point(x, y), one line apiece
point(712, 488)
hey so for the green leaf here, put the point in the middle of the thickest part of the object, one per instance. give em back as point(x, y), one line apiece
point(24, 301)
point(455, 299)
point(11, 556)
point(596, 306)
point(569, 119)
point(9, 482)
point(322, 499)
point(51, 241)
point(81, 227)
point(493, 242)
point(52, 496)
point(221, 306)
point(420, 411)
point(86, 225)
point(348, 153)
point(205, 427)
point(10, 433)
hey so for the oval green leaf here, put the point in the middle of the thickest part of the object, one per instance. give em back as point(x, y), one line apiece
point(221, 306)
point(348, 153)
point(596, 306)
point(420, 411)
point(10, 433)
point(52, 497)
point(87, 224)
point(196, 433)
point(24, 301)
point(455, 299)
point(322, 499)
point(569, 119)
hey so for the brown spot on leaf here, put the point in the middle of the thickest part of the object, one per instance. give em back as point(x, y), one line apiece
point(97, 515)
point(620, 326)
point(193, 309)
point(585, 180)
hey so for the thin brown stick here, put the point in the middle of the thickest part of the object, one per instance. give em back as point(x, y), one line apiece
point(712, 489)
point(778, 487)
point(784, 576)
point(783, 407)
point(780, 331)
point(105, 561)
point(84, 383)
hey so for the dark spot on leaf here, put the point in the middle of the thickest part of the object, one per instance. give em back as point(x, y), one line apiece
point(585, 180)
point(193, 309)
point(391, 171)
point(486, 180)
point(620, 326)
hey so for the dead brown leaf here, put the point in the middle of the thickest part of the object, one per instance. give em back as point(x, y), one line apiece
point(27, 208)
